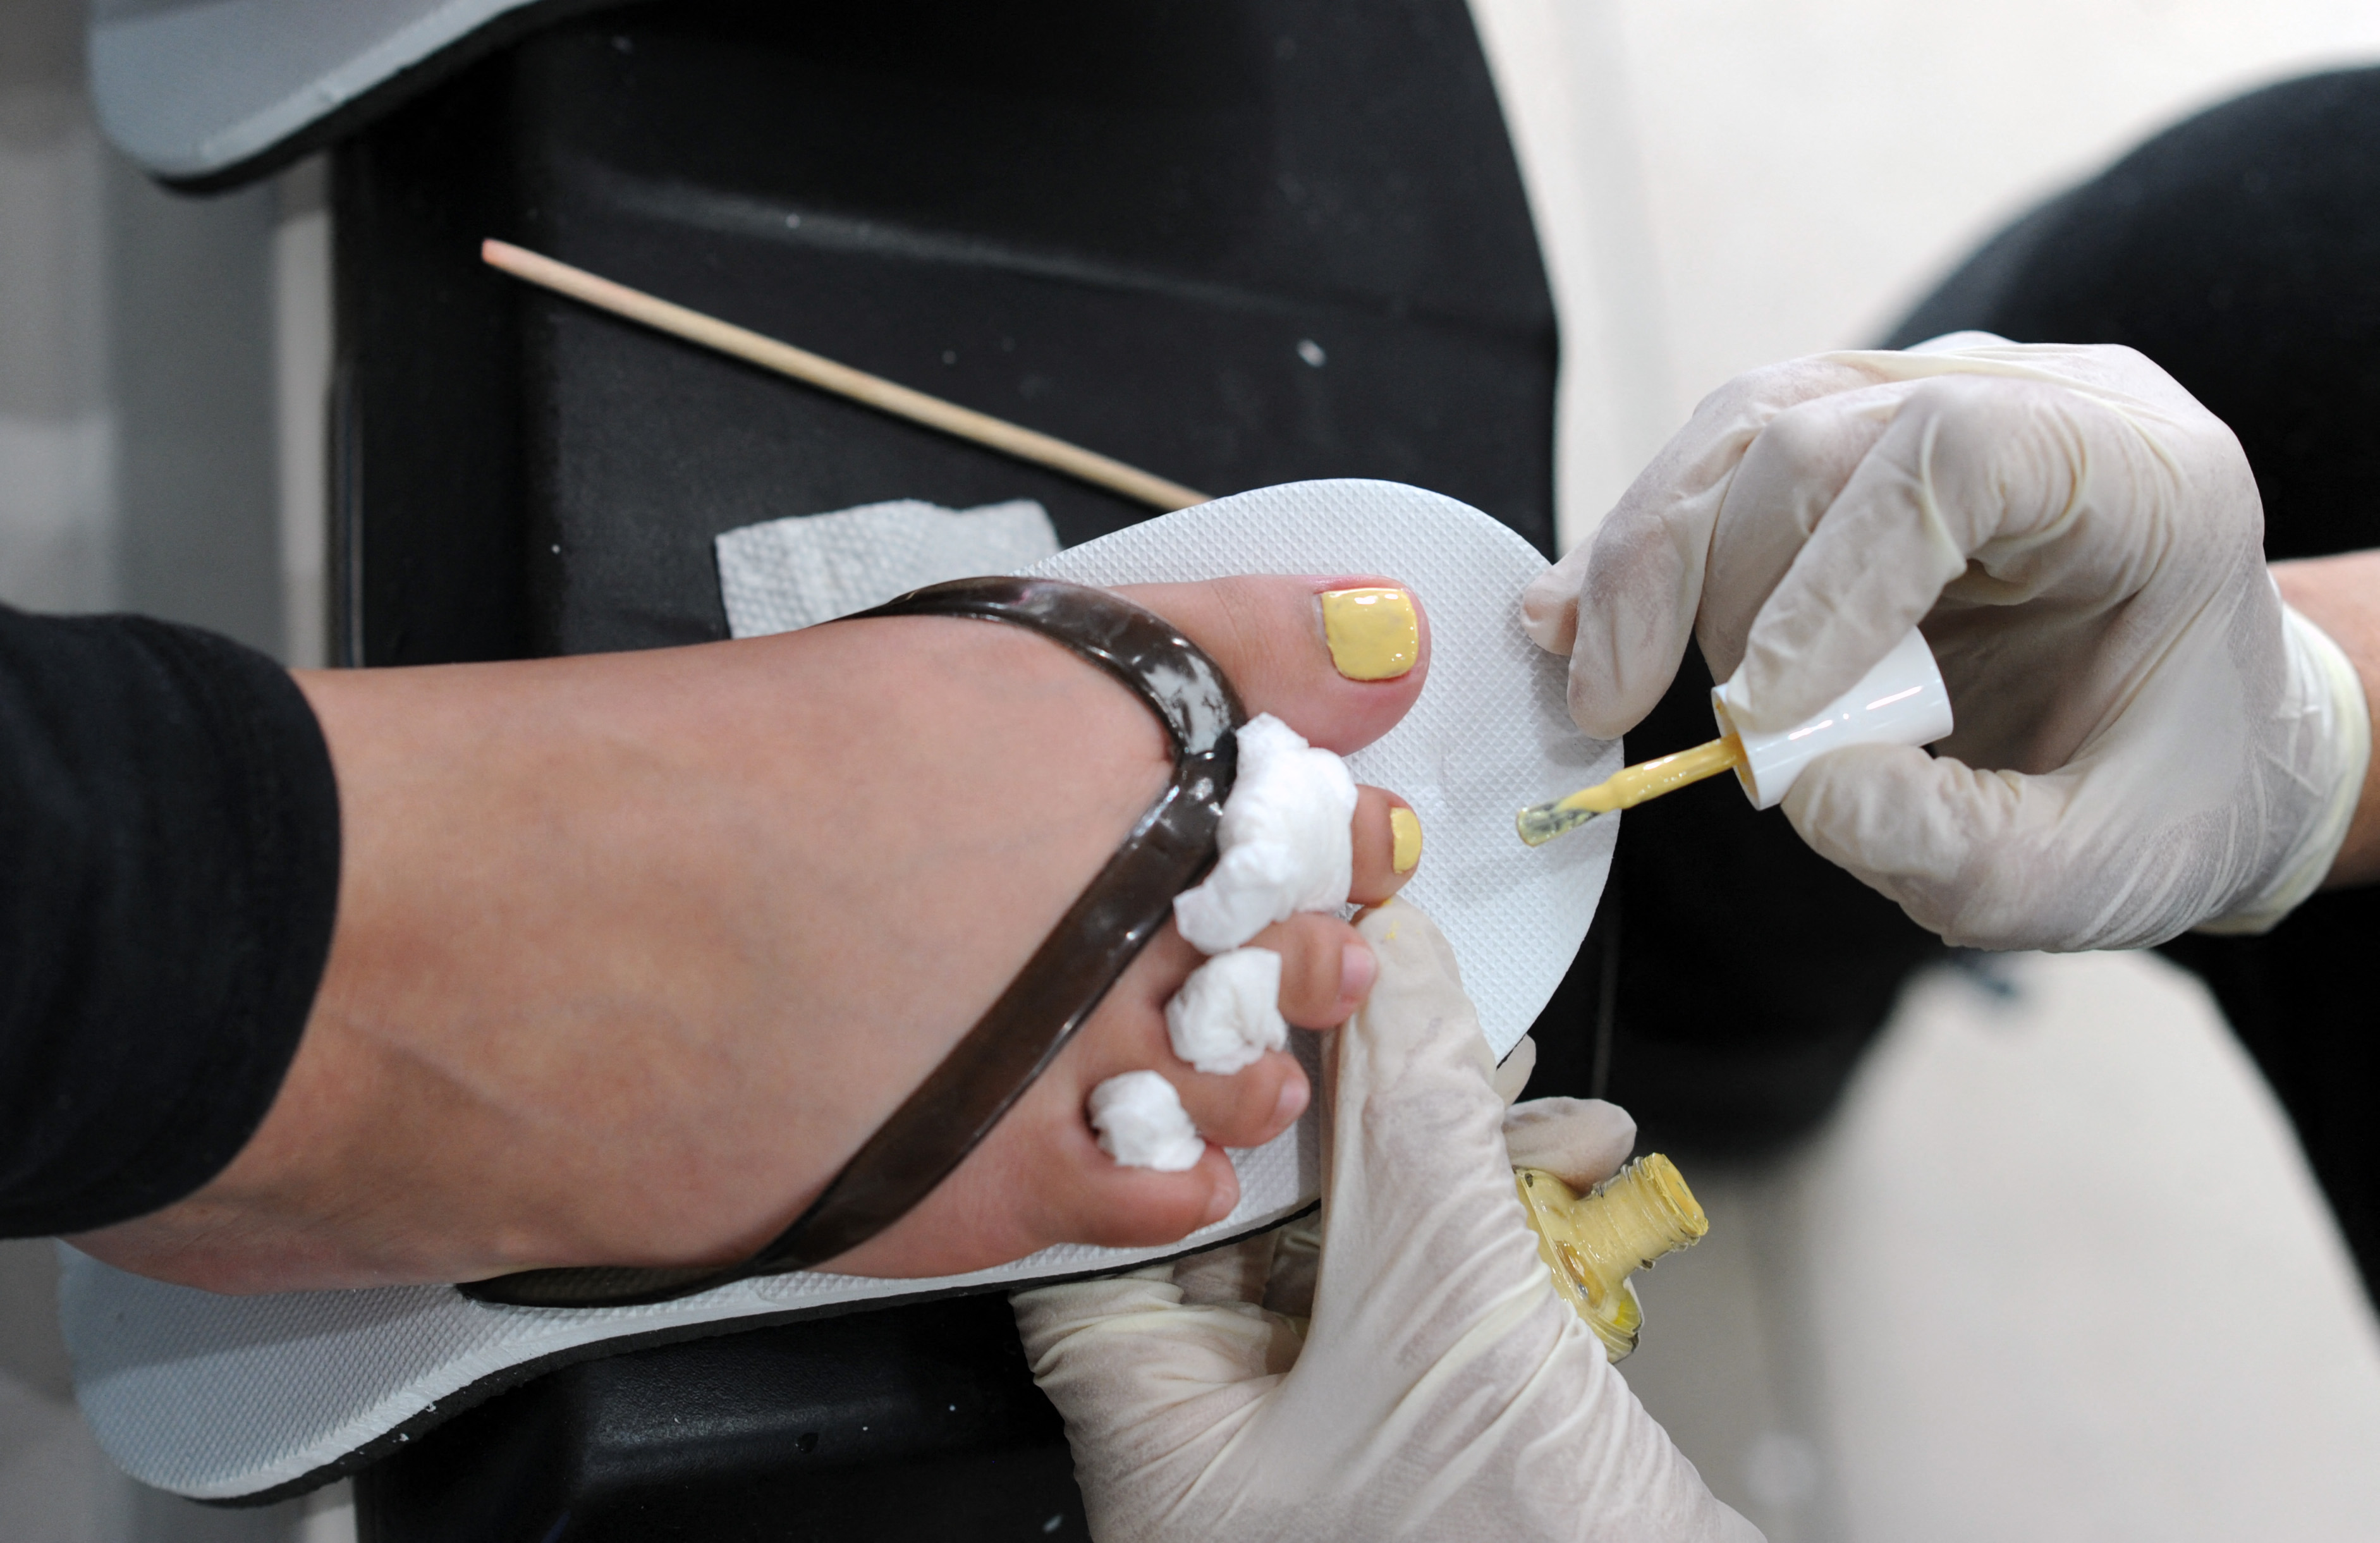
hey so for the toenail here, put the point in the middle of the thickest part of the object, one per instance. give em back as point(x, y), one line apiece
point(1404, 839)
point(1292, 1103)
point(1373, 632)
point(1219, 1204)
point(1357, 969)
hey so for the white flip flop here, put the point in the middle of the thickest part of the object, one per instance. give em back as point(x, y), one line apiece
point(223, 1398)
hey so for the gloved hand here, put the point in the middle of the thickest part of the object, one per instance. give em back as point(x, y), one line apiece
point(2147, 740)
point(1442, 1389)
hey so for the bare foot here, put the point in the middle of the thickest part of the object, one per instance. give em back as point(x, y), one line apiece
point(633, 951)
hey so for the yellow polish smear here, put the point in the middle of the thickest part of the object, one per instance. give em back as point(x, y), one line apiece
point(1539, 823)
point(1404, 840)
point(1373, 633)
point(1593, 1243)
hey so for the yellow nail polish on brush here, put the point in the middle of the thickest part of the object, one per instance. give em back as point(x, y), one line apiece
point(1373, 633)
point(1539, 823)
point(1404, 840)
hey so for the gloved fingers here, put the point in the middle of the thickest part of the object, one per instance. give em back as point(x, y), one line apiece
point(1055, 1311)
point(1152, 1392)
point(1951, 343)
point(1420, 1221)
point(1792, 474)
point(1993, 490)
point(1579, 1141)
point(1443, 1388)
point(1985, 860)
point(1703, 454)
point(1296, 1262)
point(1549, 602)
point(1512, 1075)
point(1623, 606)
point(1966, 461)
point(1417, 1032)
point(1235, 1273)
point(1131, 1340)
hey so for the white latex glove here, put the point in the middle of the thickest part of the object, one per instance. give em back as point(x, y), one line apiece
point(1442, 1390)
point(2147, 741)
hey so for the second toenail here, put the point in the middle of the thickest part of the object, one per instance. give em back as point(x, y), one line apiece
point(1404, 839)
point(1373, 632)
point(1357, 969)
point(1292, 1104)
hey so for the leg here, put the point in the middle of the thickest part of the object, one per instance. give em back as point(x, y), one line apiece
point(2236, 251)
point(635, 950)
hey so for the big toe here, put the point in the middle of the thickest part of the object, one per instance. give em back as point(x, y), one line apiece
point(1338, 659)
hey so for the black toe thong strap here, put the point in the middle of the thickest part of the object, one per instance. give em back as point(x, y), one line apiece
point(1058, 989)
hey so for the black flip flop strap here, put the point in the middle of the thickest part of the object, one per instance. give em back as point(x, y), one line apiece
point(1059, 987)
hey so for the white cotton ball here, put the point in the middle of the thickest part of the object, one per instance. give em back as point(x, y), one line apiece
point(1287, 844)
point(1142, 1124)
point(1228, 1012)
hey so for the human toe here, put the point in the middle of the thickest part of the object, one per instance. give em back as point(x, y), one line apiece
point(1338, 659)
point(1388, 844)
point(1326, 968)
point(1246, 1108)
point(1110, 1206)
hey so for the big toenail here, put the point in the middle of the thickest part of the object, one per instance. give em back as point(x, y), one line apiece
point(1404, 839)
point(1373, 632)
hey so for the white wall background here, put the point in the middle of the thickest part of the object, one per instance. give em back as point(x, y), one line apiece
point(2055, 1271)
point(1724, 182)
point(56, 432)
point(162, 365)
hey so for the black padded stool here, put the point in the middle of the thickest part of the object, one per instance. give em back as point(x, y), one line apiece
point(1236, 242)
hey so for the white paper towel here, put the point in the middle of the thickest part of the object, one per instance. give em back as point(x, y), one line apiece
point(786, 574)
point(218, 1397)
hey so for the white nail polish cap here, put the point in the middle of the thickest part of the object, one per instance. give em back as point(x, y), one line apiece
point(1901, 701)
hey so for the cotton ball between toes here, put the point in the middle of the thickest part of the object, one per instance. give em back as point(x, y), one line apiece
point(1286, 845)
point(1142, 1124)
point(1228, 1014)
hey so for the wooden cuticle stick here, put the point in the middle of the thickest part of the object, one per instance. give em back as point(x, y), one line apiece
point(1010, 439)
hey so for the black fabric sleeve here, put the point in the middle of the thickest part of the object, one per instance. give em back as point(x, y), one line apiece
point(169, 865)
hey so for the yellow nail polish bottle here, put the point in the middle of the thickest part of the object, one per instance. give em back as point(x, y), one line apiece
point(1594, 1242)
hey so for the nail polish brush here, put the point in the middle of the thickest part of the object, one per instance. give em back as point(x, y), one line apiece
point(1900, 702)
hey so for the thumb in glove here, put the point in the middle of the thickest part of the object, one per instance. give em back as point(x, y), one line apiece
point(1443, 1388)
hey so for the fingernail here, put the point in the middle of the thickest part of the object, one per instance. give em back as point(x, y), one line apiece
point(1404, 839)
point(1373, 632)
point(1292, 1104)
point(1357, 970)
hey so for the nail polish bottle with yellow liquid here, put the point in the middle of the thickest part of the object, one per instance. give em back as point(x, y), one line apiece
point(1593, 1243)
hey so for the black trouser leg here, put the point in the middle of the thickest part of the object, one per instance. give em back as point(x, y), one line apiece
point(2241, 251)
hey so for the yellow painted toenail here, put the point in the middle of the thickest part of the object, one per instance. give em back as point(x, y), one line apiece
point(1404, 840)
point(1373, 633)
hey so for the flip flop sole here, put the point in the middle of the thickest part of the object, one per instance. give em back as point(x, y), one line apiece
point(240, 1398)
